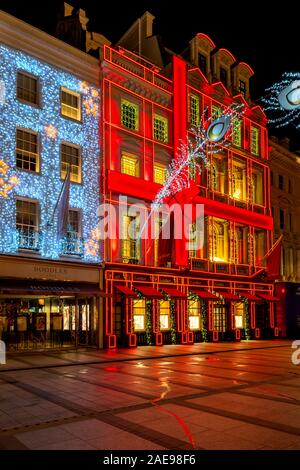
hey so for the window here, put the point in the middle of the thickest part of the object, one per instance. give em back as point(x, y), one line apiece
point(70, 157)
point(218, 174)
point(216, 111)
point(129, 165)
point(254, 140)
point(272, 177)
point(130, 115)
point(220, 318)
point(130, 246)
point(70, 104)
point(237, 132)
point(239, 315)
point(160, 128)
point(280, 182)
point(159, 173)
point(242, 88)
point(202, 63)
point(281, 219)
point(27, 150)
point(27, 88)
point(164, 314)
point(291, 223)
point(257, 186)
point(194, 314)
point(192, 240)
point(259, 245)
point(290, 186)
point(219, 242)
point(27, 224)
point(194, 110)
point(71, 243)
point(224, 76)
point(240, 245)
point(239, 189)
point(139, 312)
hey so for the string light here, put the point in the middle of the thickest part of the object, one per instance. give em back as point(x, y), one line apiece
point(282, 101)
point(7, 183)
point(53, 129)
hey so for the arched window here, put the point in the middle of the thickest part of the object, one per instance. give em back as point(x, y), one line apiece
point(219, 240)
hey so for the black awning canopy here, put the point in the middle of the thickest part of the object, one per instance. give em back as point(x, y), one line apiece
point(49, 288)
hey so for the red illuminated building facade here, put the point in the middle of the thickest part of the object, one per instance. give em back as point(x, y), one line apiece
point(152, 98)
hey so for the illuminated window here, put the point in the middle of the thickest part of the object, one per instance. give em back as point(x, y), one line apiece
point(129, 165)
point(70, 104)
point(259, 245)
point(27, 224)
point(240, 245)
point(70, 158)
point(192, 240)
point(157, 228)
point(216, 111)
point(257, 186)
point(239, 185)
point(254, 140)
point(130, 115)
point(194, 110)
point(160, 173)
point(239, 315)
point(139, 313)
point(27, 88)
point(130, 245)
point(194, 314)
point(220, 318)
point(160, 128)
point(237, 132)
point(218, 231)
point(27, 157)
point(242, 88)
point(218, 174)
point(71, 242)
point(164, 314)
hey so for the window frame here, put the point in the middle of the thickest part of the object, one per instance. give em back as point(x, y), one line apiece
point(139, 330)
point(133, 158)
point(38, 88)
point(254, 130)
point(196, 98)
point(136, 107)
point(160, 167)
point(74, 93)
point(36, 229)
point(38, 145)
point(70, 144)
point(163, 119)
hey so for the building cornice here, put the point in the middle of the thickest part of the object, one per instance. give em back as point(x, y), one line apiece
point(21, 36)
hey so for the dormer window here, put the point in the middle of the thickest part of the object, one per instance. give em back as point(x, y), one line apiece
point(224, 76)
point(202, 63)
point(242, 88)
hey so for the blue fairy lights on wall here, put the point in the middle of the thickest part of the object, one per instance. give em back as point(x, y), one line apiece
point(52, 129)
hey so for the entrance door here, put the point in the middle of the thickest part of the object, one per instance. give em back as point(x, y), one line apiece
point(220, 320)
point(87, 323)
point(262, 319)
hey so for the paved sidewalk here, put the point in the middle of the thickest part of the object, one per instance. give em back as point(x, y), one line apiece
point(36, 359)
point(205, 396)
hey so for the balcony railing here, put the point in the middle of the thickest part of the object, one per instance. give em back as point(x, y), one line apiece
point(204, 265)
point(28, 239)
point(72, 245)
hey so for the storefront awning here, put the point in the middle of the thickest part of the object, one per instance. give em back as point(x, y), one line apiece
point(269, 298)
point(127, 291)
point(229, 296)
point(12, 287)
point(149, 292)
point(204, 294)
point(172, 292)
point(250, 297)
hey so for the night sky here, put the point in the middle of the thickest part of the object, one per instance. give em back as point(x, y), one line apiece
point(268, 38)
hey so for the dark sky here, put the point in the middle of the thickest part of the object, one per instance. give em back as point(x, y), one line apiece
point(264, 35)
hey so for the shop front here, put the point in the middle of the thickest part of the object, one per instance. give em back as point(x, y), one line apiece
point(46, 305)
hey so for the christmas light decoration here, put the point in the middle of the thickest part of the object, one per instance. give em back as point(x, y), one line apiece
point(52, 128)
point(210, 136)
point(282, 101)
point(7, 183)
